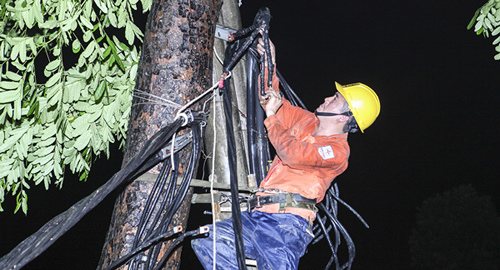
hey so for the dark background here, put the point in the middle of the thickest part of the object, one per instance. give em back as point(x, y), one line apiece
point(439, 89)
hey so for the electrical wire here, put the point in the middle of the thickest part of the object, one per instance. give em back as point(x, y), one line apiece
point(212, 199)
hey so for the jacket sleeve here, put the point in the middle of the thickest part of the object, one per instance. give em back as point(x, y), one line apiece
point(302, 154)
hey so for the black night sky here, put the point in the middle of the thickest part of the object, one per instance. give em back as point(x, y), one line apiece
point(439, 88)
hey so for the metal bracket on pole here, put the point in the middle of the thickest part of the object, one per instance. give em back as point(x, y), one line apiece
point(224, 33)
point(180, 142)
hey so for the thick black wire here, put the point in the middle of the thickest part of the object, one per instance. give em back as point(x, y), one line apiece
point(169, 204)
point(148, 211)
point(350, 244)
point(168, 193)
point(172, 202)
point(174, 244)
point(182, 190)
point(252, 100)
point(334, 257)
point(235, 207)
point(231, 146)
point(151, 202)
point(289, 93)
point(139, 249)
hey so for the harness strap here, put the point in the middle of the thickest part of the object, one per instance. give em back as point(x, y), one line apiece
point(284, 199)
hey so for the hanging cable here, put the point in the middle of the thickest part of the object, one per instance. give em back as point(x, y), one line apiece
point(231, 145)
point(212, 180)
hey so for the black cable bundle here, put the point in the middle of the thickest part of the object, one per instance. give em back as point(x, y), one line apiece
point(231, 146)
point(162, 204)
point(258, 143)
point(329, 207)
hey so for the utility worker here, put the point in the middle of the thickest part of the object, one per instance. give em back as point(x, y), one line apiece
point(311, 150)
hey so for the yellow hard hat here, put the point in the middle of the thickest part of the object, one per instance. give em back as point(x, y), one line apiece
point(363, 102)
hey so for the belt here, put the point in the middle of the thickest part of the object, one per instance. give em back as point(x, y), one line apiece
point(284, 199)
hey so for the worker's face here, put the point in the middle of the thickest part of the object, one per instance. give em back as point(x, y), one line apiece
point(333, 104)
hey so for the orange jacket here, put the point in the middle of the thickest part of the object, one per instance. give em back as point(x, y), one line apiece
point(303, 164)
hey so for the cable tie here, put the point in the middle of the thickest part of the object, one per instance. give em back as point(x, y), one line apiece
point(183, 115)
point(222, 78)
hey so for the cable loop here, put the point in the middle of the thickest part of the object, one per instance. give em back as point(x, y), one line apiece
point(183, 115)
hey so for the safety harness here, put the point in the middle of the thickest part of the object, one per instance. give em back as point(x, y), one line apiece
point(284, 199)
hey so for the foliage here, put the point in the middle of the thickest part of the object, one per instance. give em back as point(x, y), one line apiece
point(456, 230)
point(486, 20)
point(65, 87)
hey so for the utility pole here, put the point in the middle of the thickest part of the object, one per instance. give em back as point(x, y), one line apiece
point(175, 65)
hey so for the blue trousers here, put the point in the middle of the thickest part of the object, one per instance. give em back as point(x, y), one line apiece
point(275, 241)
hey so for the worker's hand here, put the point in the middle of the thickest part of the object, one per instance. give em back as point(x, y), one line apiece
point(262, 51)
point(272, 102)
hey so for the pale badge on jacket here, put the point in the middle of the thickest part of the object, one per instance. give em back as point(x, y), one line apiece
point(326, 152)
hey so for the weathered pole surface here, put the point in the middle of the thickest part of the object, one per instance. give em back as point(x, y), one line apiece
point(230, 17)
point(176, 64)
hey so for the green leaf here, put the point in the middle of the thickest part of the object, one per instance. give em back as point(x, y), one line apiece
point(100, 90)
point(57, 51)
point(49, 141)
point(119, 62)
point(8, 85)
point(111, 60)
point(83, 141)
point(112, 19)
point(76, 46)
point(56, 98)
point(15, 52)
point(37, 11)
point(22, 51)
point(19, 66)
point(87, 35)
point(124, 46)
point(496, 31)
point(102, 6)
point(53, 64)
point(86, 22)
point(29, 18)
point(44, 151)
point(473, 20)
point(129, 33)
point(497, 40)
point(106, 52)
point(53, 80)
point(43, 160)
point(33, 108)
point(24, 203)
point(9, 96)
point(89, 50)
point(13, 76)
point(50, 131)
